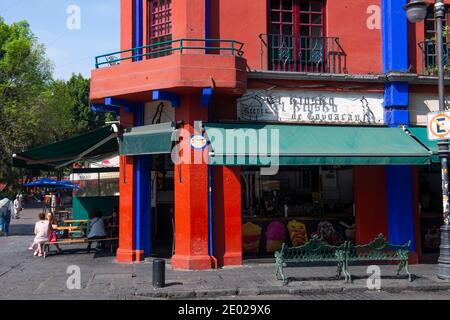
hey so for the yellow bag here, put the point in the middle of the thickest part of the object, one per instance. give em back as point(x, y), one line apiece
point(251, 237)
point(297, 233)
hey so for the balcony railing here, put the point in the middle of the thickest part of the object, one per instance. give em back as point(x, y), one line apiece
point(429, 58)
point(160, 49)
point(302, 54)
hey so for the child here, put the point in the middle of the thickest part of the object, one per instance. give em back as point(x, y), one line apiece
point(41, 231)
point(53, 225)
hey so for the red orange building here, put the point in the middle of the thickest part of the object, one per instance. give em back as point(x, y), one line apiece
point(339, 81)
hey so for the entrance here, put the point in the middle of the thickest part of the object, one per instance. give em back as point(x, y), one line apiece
point(162, 202)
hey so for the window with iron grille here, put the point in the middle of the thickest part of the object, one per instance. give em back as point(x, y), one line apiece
point(297, 33)
point(429, 45)
point(159, 27)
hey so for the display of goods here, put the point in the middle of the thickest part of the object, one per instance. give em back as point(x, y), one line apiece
point(327, 233)
point(297, 233)
point(251, 237)
point(275, 234)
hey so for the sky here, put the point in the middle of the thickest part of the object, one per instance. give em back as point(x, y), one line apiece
point(73, 31)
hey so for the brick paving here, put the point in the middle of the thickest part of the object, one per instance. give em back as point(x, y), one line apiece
point(23, 276)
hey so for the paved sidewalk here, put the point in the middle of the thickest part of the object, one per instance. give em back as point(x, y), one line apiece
point(23, 276)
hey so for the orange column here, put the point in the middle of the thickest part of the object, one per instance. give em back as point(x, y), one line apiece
point(370, 203)
point(126, 252)
point(227, 223)
point(191, 195)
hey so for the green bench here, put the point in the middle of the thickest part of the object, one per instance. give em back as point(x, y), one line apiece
point(317, 252)
point(313, 252)
point(378, 250)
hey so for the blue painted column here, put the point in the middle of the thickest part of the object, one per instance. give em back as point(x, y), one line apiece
point(143, 163)
point(396, 100)
point(143, 194)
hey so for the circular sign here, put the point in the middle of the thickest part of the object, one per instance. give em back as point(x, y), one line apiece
point(198, 142)
point(438, 125)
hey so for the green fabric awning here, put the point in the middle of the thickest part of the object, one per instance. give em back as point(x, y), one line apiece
point(147, 140)
point(65, 152)
point(245, 144)
point(421, 134)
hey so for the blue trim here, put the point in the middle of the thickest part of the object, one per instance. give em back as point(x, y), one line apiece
point(396, 94)
point(207, 23)
point(206, 96)
point(142, 195)
point(395, 36)
point(400, 205)
point(102, 108)
point(138, 28)
point(174, 98)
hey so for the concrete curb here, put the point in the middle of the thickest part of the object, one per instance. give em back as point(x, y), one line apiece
point(267, 291)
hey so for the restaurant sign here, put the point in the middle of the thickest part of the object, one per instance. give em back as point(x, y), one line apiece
point(311, 107)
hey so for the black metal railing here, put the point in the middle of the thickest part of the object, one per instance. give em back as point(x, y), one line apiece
point(302, 54)
point(429, 58)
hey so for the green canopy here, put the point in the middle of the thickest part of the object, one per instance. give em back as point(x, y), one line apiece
point(65, 152)
point(252, 144)
point(147, 140)
point(421, 134)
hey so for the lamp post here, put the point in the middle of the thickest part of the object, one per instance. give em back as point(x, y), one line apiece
point(416, 11)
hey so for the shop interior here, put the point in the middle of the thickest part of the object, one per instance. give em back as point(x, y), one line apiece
point(294, 205)
point(431, 218)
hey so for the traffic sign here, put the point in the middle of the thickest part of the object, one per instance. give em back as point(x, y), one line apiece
point(439, 125)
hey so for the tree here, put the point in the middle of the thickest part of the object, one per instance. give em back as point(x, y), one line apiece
point(25, 72)
point(35, 109)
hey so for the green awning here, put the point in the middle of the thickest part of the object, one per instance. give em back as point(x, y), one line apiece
point(147, 140)
point(421, 134)
point(65, 152)
point(251, 144)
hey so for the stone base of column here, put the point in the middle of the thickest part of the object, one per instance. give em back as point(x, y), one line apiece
point(443, 269)
point(232, 259)
point(191, 262)
point(129, 256)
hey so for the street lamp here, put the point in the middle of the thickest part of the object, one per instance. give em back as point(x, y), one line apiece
point(416, 11)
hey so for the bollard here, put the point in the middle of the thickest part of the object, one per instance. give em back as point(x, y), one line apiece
point(159, 273)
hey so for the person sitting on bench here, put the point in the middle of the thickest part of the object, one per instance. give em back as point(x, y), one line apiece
point(96, 229)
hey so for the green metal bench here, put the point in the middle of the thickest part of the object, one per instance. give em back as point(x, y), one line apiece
point(316, 252)
point(313, 252)
point(378, 250)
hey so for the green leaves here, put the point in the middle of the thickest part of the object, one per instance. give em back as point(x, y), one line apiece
point(35, 109)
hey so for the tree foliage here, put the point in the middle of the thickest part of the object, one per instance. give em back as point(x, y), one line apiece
point(35, 109)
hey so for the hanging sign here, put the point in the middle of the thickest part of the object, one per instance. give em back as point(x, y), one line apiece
point(311, 107)
point(439, 125)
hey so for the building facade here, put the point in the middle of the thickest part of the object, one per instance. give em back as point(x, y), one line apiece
point(338, 81)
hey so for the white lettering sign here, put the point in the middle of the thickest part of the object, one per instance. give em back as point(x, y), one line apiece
point(311, 107)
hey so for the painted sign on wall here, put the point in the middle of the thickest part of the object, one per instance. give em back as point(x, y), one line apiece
point(311, 107)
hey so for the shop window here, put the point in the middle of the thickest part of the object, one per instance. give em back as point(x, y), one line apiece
point(296, 204)
point(297, 34)
point(159, 28)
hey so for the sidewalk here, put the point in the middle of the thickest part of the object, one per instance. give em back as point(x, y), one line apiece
point(23, 276)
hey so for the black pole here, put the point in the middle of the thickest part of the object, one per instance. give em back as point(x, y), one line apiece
point(443, 271)
point(159, 273)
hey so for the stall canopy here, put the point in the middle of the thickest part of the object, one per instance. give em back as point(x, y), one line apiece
point(147, 140)
point(65, 152)
point(421, 135)
point(252, 144)
point(53, 184)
